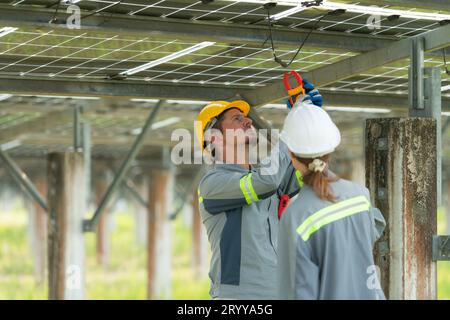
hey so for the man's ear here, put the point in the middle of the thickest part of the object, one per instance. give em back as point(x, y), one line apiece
point(216, 136)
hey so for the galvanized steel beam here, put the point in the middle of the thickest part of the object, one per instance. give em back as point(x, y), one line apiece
point(193, 30)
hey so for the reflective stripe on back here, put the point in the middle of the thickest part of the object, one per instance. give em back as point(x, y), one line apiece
point(332, 213)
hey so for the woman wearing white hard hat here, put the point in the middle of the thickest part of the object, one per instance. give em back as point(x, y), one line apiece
point(327, 234)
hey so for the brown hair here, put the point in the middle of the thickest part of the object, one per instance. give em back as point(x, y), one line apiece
point(320, 181)
point(218, 124)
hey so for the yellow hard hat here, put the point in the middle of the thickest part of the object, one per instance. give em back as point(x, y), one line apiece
point(213, 110)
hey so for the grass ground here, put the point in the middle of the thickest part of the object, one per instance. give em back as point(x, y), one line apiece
point(125, 276)
point(443, 267)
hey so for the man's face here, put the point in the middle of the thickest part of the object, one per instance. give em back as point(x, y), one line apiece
point(236, 121)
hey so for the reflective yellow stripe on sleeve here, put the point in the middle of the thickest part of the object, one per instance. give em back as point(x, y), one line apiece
point(244, 190)
point(200, 198)
point(250, 186)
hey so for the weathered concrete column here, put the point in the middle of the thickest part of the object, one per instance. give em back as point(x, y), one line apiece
point(140, 212)
point(38, 229)
point(101, 182)
point(159, 234)
point(67, 207)
point(401, 176)
point(199, 243)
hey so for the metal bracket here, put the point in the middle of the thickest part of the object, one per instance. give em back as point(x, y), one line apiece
point(441, 248)
point(383, 248)
point(382, 194)
point(416, 87)
point(382, 144)
point(77, 136)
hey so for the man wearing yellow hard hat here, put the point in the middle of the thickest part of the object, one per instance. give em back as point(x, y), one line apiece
point(239, 202)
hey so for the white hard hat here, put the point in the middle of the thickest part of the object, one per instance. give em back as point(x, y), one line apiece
point(309, 131)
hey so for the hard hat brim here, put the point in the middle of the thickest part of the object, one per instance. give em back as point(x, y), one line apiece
point(291, 145)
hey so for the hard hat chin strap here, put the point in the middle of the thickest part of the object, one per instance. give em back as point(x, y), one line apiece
point(211, 124)
point(210, 150)
point(317, 165)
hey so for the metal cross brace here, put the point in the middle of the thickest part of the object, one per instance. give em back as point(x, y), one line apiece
point(441, 248)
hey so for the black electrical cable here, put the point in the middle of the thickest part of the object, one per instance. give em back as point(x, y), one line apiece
point(270, 34)
point(306, 38)
point(56, 12)
point(445, 62)
point(276, 58)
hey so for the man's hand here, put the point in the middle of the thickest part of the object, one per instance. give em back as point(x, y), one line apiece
point(311, 94)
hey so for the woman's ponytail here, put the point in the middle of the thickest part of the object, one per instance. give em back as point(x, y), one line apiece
point(318, 178)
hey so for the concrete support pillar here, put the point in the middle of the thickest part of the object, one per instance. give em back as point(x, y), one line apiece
point(401, 176)
point(38, 230)
point(159, 234)
point(140, 212)
point(101, 183)
point(67, 207)
point(199, 243)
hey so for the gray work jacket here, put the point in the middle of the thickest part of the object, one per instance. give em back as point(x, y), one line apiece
point(325, 249)
point(239, 210)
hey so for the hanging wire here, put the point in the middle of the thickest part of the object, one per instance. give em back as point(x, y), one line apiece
point(445, 62)
point(53, 19)
point(269, 23)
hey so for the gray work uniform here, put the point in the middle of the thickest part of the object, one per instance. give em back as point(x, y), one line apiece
point(325, 249)
point(239, 210)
